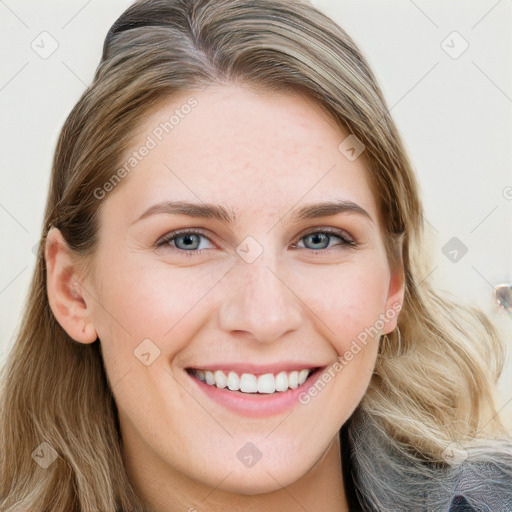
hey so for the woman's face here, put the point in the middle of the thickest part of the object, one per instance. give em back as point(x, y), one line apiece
point(266, 295)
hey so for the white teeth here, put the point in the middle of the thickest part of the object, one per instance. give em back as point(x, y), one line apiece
point(220, 379)
point(248, 383)
point(293, 380)
point(267, 383)
point(233, 381)
point(303, 375)
point(281, 381)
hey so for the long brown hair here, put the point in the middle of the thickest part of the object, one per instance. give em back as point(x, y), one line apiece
point(431, 387)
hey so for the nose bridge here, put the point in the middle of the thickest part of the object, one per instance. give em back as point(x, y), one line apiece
point(259, 300)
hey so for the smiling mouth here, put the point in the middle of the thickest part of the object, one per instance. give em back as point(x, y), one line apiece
point(249, 383)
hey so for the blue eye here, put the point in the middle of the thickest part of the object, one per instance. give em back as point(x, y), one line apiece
point(184, 240)
point(325, 236)
point(189, 240)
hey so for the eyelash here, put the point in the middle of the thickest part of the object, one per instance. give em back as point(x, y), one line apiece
point(346, 240)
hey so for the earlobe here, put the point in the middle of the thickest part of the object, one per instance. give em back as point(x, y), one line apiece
point(65, 290)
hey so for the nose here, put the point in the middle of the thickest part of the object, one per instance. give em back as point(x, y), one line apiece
point(259, 301)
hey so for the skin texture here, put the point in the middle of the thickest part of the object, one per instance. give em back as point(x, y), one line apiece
point(262, 155)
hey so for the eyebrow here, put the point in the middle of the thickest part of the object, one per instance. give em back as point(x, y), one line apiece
point(218, 212)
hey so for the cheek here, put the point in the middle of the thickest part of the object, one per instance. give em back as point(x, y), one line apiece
point(133, 297)
point(348, 299)
point(137, 301)
point(351, 309)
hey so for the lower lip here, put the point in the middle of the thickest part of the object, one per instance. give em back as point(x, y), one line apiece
point(257, 404)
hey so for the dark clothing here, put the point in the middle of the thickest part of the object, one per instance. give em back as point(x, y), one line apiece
point(348, 481)
point(459, 504)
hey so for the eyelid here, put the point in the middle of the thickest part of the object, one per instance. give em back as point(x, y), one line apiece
point(342, 233)
point(178, 232)
point(345, 236)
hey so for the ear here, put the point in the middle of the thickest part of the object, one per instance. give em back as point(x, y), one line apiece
point(65, 289)
point(395, 298)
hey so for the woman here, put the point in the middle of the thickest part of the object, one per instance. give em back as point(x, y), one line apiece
point(228, 310)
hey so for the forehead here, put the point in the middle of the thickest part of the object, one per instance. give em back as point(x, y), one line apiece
point(251, 150)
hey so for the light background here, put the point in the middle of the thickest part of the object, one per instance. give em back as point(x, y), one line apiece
point(454, 114)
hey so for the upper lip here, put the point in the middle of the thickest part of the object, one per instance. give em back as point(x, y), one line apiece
point(257, 369)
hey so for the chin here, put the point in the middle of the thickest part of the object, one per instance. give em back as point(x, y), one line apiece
point(263, 481)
